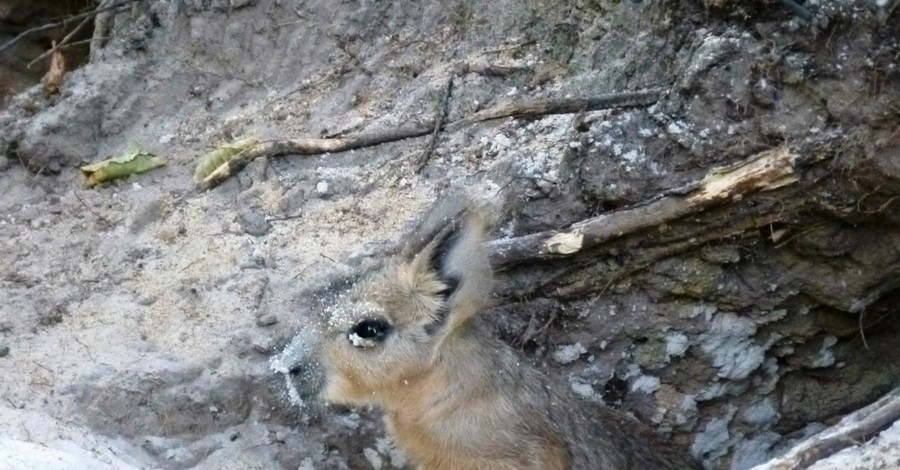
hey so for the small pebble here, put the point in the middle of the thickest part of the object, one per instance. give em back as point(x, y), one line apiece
point(262, 347)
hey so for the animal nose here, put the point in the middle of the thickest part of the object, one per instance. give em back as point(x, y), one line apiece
point(302, 375)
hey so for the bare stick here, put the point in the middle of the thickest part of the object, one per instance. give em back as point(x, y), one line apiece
point(439, 123)
point(63, 23)
point(765, 171)
point(83, 42)
point(566, 105)
point(313, 146)
point(100, 217)
point(482, 66)
point(65, 40)
point(855, 428)
point(86, 349)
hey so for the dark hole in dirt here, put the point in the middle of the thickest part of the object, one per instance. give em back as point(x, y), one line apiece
point(615, 391)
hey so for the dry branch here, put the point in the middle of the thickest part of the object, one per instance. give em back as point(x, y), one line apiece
point(61, 24)
point(566, 105)
point(313, 146)
point(855, 428)
point(578, 286)
point(482, 66)
point(765, 171)
point(65, 40)
point(438, 125)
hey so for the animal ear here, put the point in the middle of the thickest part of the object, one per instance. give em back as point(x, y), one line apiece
point(455, 257)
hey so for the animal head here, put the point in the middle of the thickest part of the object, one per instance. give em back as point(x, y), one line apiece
point(388, 328)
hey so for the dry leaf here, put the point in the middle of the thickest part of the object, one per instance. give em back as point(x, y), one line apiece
point(213, 160)
point(53, 79)
point(120, 167)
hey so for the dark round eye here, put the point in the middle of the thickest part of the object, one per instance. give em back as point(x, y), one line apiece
point(368, 333)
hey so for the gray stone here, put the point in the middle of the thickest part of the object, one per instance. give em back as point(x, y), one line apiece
point(253, 221)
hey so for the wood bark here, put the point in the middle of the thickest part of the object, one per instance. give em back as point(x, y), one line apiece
point(765, 171)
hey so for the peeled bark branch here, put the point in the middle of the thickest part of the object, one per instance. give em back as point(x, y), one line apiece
point(765, 171)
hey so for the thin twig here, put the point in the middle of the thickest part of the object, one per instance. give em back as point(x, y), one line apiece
point(102, 219)
point(257, 446)
point(70, 46)
point(862, 331)
point(882, 207)
point(543, 107)
point(191, 264)
point(286, 217)
point(300, 273)
point(509, 47)
point(85, 41)
point(262, 293)
point(438, 124)
point(86, 349)
point(63, 23)
point(65, 40)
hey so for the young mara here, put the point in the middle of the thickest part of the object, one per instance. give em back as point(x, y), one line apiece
point(403, 338)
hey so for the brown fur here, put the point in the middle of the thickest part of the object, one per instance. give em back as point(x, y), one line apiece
point(452, 396)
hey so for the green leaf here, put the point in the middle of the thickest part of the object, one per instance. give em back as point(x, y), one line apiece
point(120, 167)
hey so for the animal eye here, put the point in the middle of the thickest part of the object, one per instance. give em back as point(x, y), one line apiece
point(368, 333)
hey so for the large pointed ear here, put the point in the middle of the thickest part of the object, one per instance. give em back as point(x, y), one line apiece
point(447, 255)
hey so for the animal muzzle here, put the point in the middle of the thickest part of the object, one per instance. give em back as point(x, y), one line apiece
point(302, 373)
